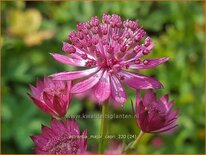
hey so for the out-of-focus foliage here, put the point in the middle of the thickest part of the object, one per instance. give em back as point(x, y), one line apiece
point(30, 30)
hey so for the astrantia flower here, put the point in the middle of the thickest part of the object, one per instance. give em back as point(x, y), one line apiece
point(61, 138)
point(153, 115)
point(51, 96)
point(108, 49)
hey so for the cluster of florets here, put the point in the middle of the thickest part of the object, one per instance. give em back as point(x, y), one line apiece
point(108, 50)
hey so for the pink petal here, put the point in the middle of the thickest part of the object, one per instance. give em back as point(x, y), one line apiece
point(149, 98)
point(59, 84)
point(40, 141)
point(173, 114)
point(69, 85)
point(102, 90)
point(53, 102)
point(168, 128)
point(39, 85)
point(83, 141)
point(87, 84)
point(138, 81)
point(68, 95)
point(36, 92)
point(57, 126)
point(151, 63)
point(117, 91)
point(67, 60)
point(170, 105)
point(47, 132)
point(138, 100)
point(72, 127)
point(48, 99)
point(58, 107)
point(73, 74)
point(47, 82)
point(140, 114)
point(41, 105)
point(165, 101)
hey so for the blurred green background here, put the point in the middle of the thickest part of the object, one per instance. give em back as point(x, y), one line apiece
point(30, 30)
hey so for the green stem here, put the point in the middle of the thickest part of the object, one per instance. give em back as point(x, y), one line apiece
point(103, 129)
point(137, 140)
point(63, 118)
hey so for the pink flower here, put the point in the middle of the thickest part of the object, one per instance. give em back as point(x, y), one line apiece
point(157, 142)
point(153, 115)
point(61, 138)
point(108, 49)
point(51, 96)
point(114, 148)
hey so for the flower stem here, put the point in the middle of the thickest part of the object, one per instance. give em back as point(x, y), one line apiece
point(137, 140)
point(103, 129)
point(64, 118)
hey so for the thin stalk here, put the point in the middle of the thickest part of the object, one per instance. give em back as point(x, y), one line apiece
point(63, 118)
point(103, 129)
point(137, 140)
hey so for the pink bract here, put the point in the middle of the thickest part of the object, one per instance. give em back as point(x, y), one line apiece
point(153, 115)
point(108, 50)
point(61, 138)
point(52, 97)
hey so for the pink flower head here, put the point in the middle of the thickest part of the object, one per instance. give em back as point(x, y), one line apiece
point(107, 50)
point(61, 138)
point(51, 96)
point(153, 115)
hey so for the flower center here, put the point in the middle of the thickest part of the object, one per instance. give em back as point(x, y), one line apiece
point(111, 65)
point(112, 44)
point(53, 90)
point(63, 145)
